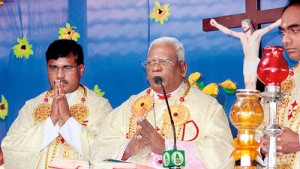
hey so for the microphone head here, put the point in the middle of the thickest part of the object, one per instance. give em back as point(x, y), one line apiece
point(157, 80)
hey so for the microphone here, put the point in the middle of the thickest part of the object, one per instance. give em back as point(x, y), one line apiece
point(158, 80)
point(172, 159)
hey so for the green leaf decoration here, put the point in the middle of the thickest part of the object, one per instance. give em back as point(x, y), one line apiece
point(229, 91)
point(201, 85)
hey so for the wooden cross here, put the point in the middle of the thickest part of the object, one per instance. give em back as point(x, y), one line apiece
point(253, 12)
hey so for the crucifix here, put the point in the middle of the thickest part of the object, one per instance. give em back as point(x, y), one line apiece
point(253, 12)
point(250, 38)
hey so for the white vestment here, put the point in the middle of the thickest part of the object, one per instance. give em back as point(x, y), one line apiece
point(24, 146)
point(204, 127)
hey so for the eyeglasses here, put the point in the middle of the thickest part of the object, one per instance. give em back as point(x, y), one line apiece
point(163, 63)
point(66, 69)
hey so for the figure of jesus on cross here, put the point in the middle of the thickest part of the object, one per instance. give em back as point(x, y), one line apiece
point(250, 40)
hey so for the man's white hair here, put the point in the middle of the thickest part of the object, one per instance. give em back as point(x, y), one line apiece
point(172, 41)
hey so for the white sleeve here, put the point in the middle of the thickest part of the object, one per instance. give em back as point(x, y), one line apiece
point(120, 155)
point(50, 132)
point(71, 131)
point(262, 162)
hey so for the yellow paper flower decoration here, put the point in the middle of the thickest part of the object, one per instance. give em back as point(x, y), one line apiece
point(23, 48)
point(211, 89)
point(160, 13)
point(98, 91)
point(142, 105)
point(194, 77)
point(3, 108)
point(68, 33)
point(228, 86)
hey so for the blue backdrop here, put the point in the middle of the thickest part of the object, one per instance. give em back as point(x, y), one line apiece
point(115, 36)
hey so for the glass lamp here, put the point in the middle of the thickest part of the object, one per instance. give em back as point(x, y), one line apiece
point(272, 70)
point(246, 115)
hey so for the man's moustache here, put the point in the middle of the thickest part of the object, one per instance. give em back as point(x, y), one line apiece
point(63, 81)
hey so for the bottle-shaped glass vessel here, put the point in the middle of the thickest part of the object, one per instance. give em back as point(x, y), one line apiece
point(246, 114)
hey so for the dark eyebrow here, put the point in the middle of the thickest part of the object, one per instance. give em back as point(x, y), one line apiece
point(293, 26)
point(289, 27)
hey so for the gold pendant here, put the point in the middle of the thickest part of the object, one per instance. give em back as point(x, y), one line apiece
point(41, 112)
point(79, 112)
point(180, 115)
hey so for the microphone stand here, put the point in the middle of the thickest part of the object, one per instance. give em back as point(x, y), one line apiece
point(158, 80)
point(170, 114)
